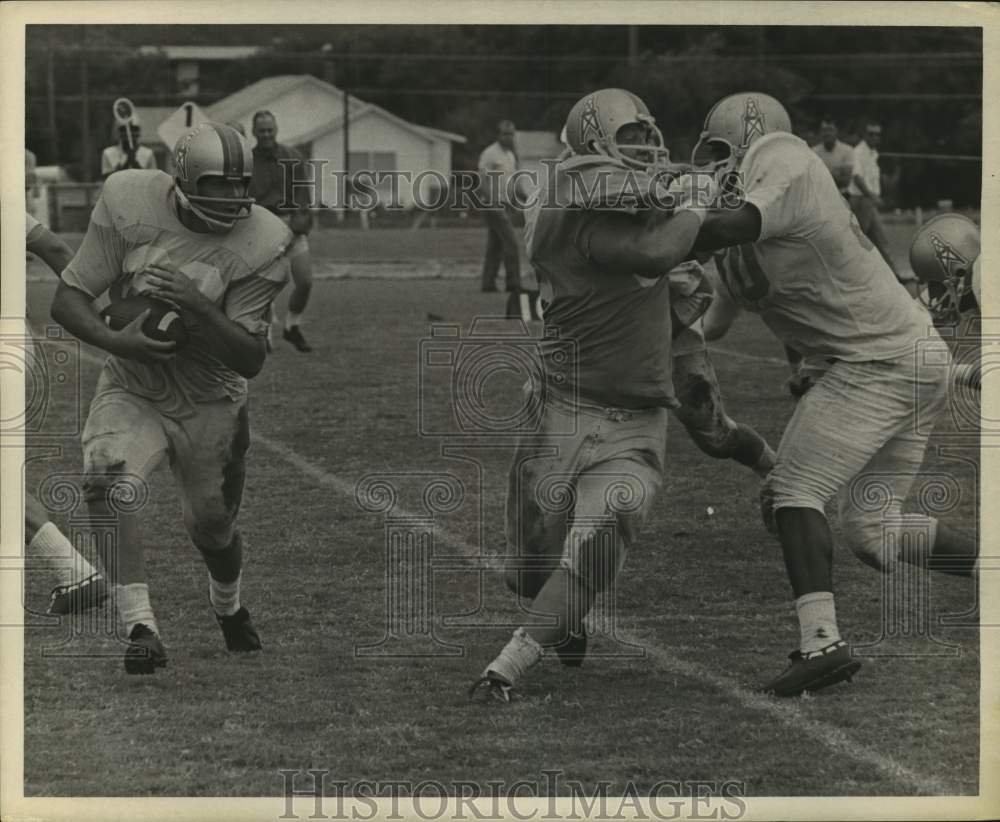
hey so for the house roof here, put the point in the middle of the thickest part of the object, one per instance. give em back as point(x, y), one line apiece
point(203, 53)
point(538, 145)
point(259, 94)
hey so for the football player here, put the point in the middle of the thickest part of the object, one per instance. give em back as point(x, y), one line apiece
point(944, 256)
point(797, 256)
point(197, 241)
point(79, 585)
point(582, 484)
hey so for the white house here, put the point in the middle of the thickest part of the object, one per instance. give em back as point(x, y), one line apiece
point(535, 146)
point(310, 117)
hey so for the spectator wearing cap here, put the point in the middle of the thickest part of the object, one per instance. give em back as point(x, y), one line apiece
point(836, 155)
point(497, 164)
point(127, 153)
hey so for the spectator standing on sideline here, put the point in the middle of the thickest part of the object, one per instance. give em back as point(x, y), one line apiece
point(124, 155)
point(30, 180)
point(865, 192)
point(497, 164)
point(837, 156)
point(274, 187)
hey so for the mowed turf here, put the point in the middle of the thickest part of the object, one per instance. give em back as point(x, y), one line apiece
point(703, 610)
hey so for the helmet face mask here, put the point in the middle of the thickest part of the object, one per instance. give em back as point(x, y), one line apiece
point(213, 166)
point(617, 124)
point(732, 126)
point(640, 145)
point(943, 256)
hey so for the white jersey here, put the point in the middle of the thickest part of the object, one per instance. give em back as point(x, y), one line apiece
point(814, 277)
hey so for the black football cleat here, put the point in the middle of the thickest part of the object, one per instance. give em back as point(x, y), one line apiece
point(494, 685)
point(814, 670)
point(239, 633)
point(572, 650)
point(145, 652)
point(294, 336)
point(79, 597)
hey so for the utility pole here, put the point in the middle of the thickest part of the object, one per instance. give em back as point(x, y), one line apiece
point(85, 103)
point(348, 187)
point(633, 46)
point(50, 99)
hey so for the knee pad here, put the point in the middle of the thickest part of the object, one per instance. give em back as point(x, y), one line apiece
point(595, 554)
point(771, 499)
point(123, 492)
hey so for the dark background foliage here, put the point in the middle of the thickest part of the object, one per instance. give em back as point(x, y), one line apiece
point(923, 84)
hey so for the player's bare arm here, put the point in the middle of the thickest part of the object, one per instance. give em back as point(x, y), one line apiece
point(728, 227)
point(53, 251)
point(859, 181)
point(73, 309)
point(622, 243)
point(233, 345)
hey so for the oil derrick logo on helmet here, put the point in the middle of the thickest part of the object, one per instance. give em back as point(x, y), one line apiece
point(952, 263)
point(753, 122)
point(181, 155)
point(590, 126)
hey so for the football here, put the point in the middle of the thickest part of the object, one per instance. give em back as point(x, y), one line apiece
point(164, 322)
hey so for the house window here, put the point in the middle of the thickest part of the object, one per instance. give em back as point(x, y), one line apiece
point(371, 161)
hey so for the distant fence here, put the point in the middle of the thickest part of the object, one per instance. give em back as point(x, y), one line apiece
point(69, 204)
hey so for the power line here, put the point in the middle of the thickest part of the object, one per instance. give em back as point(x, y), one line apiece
point(177, 98)
point(961, 158)
point(970, 57)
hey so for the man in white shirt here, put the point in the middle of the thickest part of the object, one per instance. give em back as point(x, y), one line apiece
point(125, 154)
point(836, 156)
point(865, 194)
point(497, 164)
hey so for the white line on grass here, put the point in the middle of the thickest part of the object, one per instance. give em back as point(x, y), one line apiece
point(786, 713)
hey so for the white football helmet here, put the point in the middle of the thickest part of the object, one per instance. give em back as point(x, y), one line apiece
point(595, 121)
point(213, 150)
point(731, 127)
point(944, 255)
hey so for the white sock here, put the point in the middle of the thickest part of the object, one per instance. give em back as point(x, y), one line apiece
point(225, 596)
point(292, 319)
point(133, 605)
point(517, 657)
point(50, 543)
point(817, 621)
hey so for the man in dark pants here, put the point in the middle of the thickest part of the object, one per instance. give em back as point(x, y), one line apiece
point(496, 165)
point(274, 189)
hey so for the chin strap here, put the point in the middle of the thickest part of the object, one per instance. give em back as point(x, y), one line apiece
point(216, 225)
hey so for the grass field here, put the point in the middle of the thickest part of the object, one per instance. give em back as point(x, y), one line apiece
point(703, 598)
